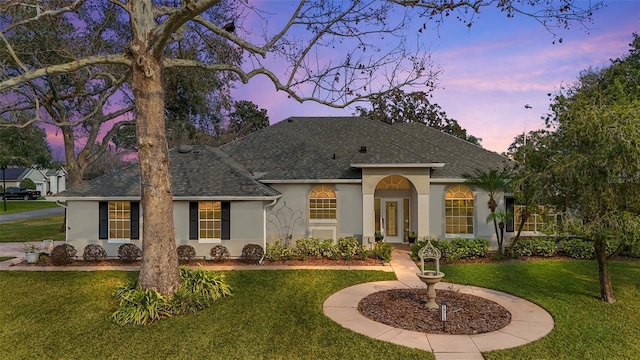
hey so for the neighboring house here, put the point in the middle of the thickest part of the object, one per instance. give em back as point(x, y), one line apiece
point(48, 181)
point(321, 177)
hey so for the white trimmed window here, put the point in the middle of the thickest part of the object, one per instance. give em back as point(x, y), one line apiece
point(459, 210)
point(322, 203)
point(210, 220)
point(119, 220)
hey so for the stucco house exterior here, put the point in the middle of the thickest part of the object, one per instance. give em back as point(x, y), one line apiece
point(48, 181)
point(321, 177)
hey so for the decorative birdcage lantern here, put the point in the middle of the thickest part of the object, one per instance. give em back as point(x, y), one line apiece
point(429, 277)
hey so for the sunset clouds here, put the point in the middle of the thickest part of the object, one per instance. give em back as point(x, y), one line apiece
point(493, 69)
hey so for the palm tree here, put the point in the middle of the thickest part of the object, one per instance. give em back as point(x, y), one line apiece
point(492, 181)
point(501, 217)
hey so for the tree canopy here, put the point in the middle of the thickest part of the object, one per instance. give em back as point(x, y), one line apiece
point(588, 165)
point(25, 146)
point(399, 107)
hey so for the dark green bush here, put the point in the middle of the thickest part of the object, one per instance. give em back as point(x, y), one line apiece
point(219, 253)
point(382, 250)
point(27, 184)
point(454, 249)
point(186, 252)
point(94, 252)
point(252, 253)
point(582, 249)
point(535, 247)
point(129, 253)
point(63, 254)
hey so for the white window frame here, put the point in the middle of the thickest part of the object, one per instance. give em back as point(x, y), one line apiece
point(118, 240)
point(214, 220)
point(473, 217)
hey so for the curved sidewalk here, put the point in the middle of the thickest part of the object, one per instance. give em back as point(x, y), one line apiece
point(529, 321)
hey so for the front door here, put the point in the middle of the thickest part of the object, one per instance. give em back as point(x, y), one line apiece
point(392, 220)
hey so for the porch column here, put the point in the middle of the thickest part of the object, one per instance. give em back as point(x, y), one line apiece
point(423, 215)
point(368, 214)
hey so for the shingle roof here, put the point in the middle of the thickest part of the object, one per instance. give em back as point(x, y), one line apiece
point(325, 148)
point(309, 148)
point(14, 173)
point(204, 171)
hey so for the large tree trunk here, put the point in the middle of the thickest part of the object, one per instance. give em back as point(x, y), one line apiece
point(160, 270)
point(606, 290)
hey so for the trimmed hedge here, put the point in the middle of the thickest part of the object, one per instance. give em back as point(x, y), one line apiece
point(535, 247)
point(454, 249)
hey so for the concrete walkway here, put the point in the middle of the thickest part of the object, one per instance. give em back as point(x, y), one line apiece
point(31, 214)
point(529, 321)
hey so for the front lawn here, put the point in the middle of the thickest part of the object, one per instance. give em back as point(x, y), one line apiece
point(15, 206)
point(278, 315)
point(34, 229)
point(272, 315)
point(586, 328)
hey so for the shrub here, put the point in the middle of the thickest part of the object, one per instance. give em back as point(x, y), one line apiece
point(535, 247)
point(327, 249)
point(27, 184)
point(198, 289)
point(454, 249)
point(582, 249)
point(277, 250)
point(219, 253)
point(186, 252)
point(252, 252)
point(94, 252)
point(363, 254)
point(348, 247)
point(63, 254)
point(309, 247)
point(129, 252)
point(382, 250)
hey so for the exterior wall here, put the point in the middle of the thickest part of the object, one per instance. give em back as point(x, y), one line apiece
point(295, 202)
point(82, 228)
point(247, 219)
point(246, 227)
point(482, 228)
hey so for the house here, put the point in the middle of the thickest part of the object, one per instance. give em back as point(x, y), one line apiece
point(48, 181)
point(321, 177)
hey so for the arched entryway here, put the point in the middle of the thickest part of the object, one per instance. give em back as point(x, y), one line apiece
point(393, 207)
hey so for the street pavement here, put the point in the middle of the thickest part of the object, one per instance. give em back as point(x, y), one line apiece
point(30, 214)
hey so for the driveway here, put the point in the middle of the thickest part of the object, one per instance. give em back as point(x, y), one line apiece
point(31, 214)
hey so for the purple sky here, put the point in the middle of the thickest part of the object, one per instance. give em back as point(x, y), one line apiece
point(489, 71)
point(492, 70)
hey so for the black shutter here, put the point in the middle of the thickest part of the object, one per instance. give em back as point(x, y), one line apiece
point(135, 220)
point(510, 205)
point(103, 220)
point(226, 220)
point(193, 220)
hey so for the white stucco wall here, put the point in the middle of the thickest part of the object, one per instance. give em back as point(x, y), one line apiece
point(482, 228)
point(246, 227)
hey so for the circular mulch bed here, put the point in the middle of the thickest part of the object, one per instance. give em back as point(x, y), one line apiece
point(406, 309)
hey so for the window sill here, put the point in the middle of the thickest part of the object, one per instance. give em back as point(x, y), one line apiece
point(119, 241)
point(463, 236)
point(209, 241)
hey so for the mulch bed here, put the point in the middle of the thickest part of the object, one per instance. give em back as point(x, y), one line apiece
point(46, 261)
point(406, 309)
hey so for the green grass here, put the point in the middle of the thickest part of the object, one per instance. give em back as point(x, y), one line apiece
point(3, 258)
point(585, 327)
point(278, 315)
point(272, 315)
point(16, 206)
point(34, 229)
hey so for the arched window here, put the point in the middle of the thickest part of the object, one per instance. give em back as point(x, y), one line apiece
point(322, 203)
point(458, 210)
